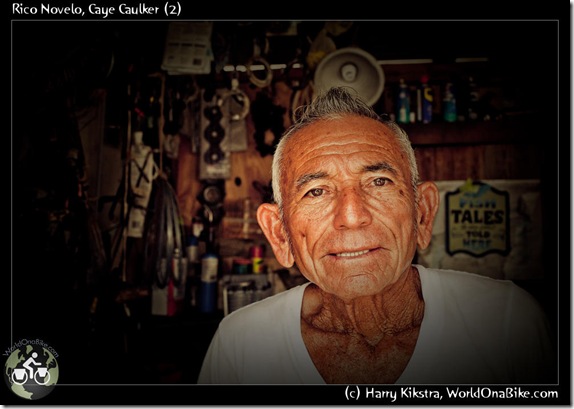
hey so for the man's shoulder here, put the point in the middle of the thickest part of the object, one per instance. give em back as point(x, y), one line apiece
point(274, 307)
point(462, 278)
point(466, 286)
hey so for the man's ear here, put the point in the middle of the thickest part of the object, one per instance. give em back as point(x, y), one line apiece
point(270, 222)
point(427, 209)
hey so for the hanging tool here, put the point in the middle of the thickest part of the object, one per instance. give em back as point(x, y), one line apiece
point(260, 81)
point(164, 247)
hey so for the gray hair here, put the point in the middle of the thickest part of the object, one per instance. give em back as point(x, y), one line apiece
point(336, 103)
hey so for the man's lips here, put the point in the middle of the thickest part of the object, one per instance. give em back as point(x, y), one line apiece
point(352, 253)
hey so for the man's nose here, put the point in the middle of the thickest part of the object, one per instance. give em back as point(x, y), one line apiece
point(351, 209)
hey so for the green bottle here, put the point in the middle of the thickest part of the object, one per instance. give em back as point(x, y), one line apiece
point(403, 103)
point(449, 103)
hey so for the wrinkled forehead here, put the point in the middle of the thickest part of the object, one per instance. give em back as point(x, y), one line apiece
point(349, 137)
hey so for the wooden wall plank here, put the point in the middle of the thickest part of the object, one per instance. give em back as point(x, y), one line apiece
point(479, 162)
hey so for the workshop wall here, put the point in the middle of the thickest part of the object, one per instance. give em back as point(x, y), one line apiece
point(82, 91)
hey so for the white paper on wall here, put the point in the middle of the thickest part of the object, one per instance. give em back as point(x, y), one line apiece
point(188, 48)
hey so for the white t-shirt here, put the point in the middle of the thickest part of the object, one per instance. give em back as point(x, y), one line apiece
point(475, 330)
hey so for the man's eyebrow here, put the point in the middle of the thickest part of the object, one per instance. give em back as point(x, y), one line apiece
point(380, 166)
point(376, 167)
point(303, 180)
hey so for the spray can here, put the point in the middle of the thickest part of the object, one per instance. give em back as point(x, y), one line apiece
point(427, 100)
point(208, 286)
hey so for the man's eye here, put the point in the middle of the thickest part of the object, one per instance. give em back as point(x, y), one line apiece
point(315, 192)
point(381, 181)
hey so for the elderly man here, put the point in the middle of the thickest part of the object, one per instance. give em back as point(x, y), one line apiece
point(349, 212)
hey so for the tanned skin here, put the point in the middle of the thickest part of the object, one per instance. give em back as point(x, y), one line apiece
point(351, 223)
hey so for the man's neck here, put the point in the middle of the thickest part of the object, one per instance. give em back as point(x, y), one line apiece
point(397, 309)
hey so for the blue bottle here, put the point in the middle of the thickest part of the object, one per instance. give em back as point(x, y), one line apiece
point(208, 286)
point(427, 100)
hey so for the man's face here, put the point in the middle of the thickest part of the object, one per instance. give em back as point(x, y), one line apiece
point(349, 206)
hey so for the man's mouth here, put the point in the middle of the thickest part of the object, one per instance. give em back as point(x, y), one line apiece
point(352, 253)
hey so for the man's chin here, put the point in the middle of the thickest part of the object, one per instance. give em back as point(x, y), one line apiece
point(359, 286)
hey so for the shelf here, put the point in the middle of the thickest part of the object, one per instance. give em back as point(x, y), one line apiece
point(505, 131)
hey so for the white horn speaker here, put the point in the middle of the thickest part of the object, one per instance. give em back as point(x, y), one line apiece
point(352, 67)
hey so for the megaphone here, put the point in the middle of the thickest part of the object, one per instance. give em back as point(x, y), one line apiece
point(352, 67)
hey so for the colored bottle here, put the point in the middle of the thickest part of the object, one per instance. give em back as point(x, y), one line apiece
point(403, 103)
point(256, 254)
point(427, 100)
point(208, 286)
point(472, 111)
point(193, 270)
point(449, 103)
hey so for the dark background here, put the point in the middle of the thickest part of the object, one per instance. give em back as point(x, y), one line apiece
point(58, 64)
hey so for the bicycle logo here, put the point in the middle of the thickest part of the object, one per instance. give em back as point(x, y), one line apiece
point(20, 375)
point(31, 370)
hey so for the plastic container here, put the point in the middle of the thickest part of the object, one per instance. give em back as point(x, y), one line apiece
point(472, 113)
point(257, 258)
point(208, 286)
point(403, 103)
point(449, 103)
